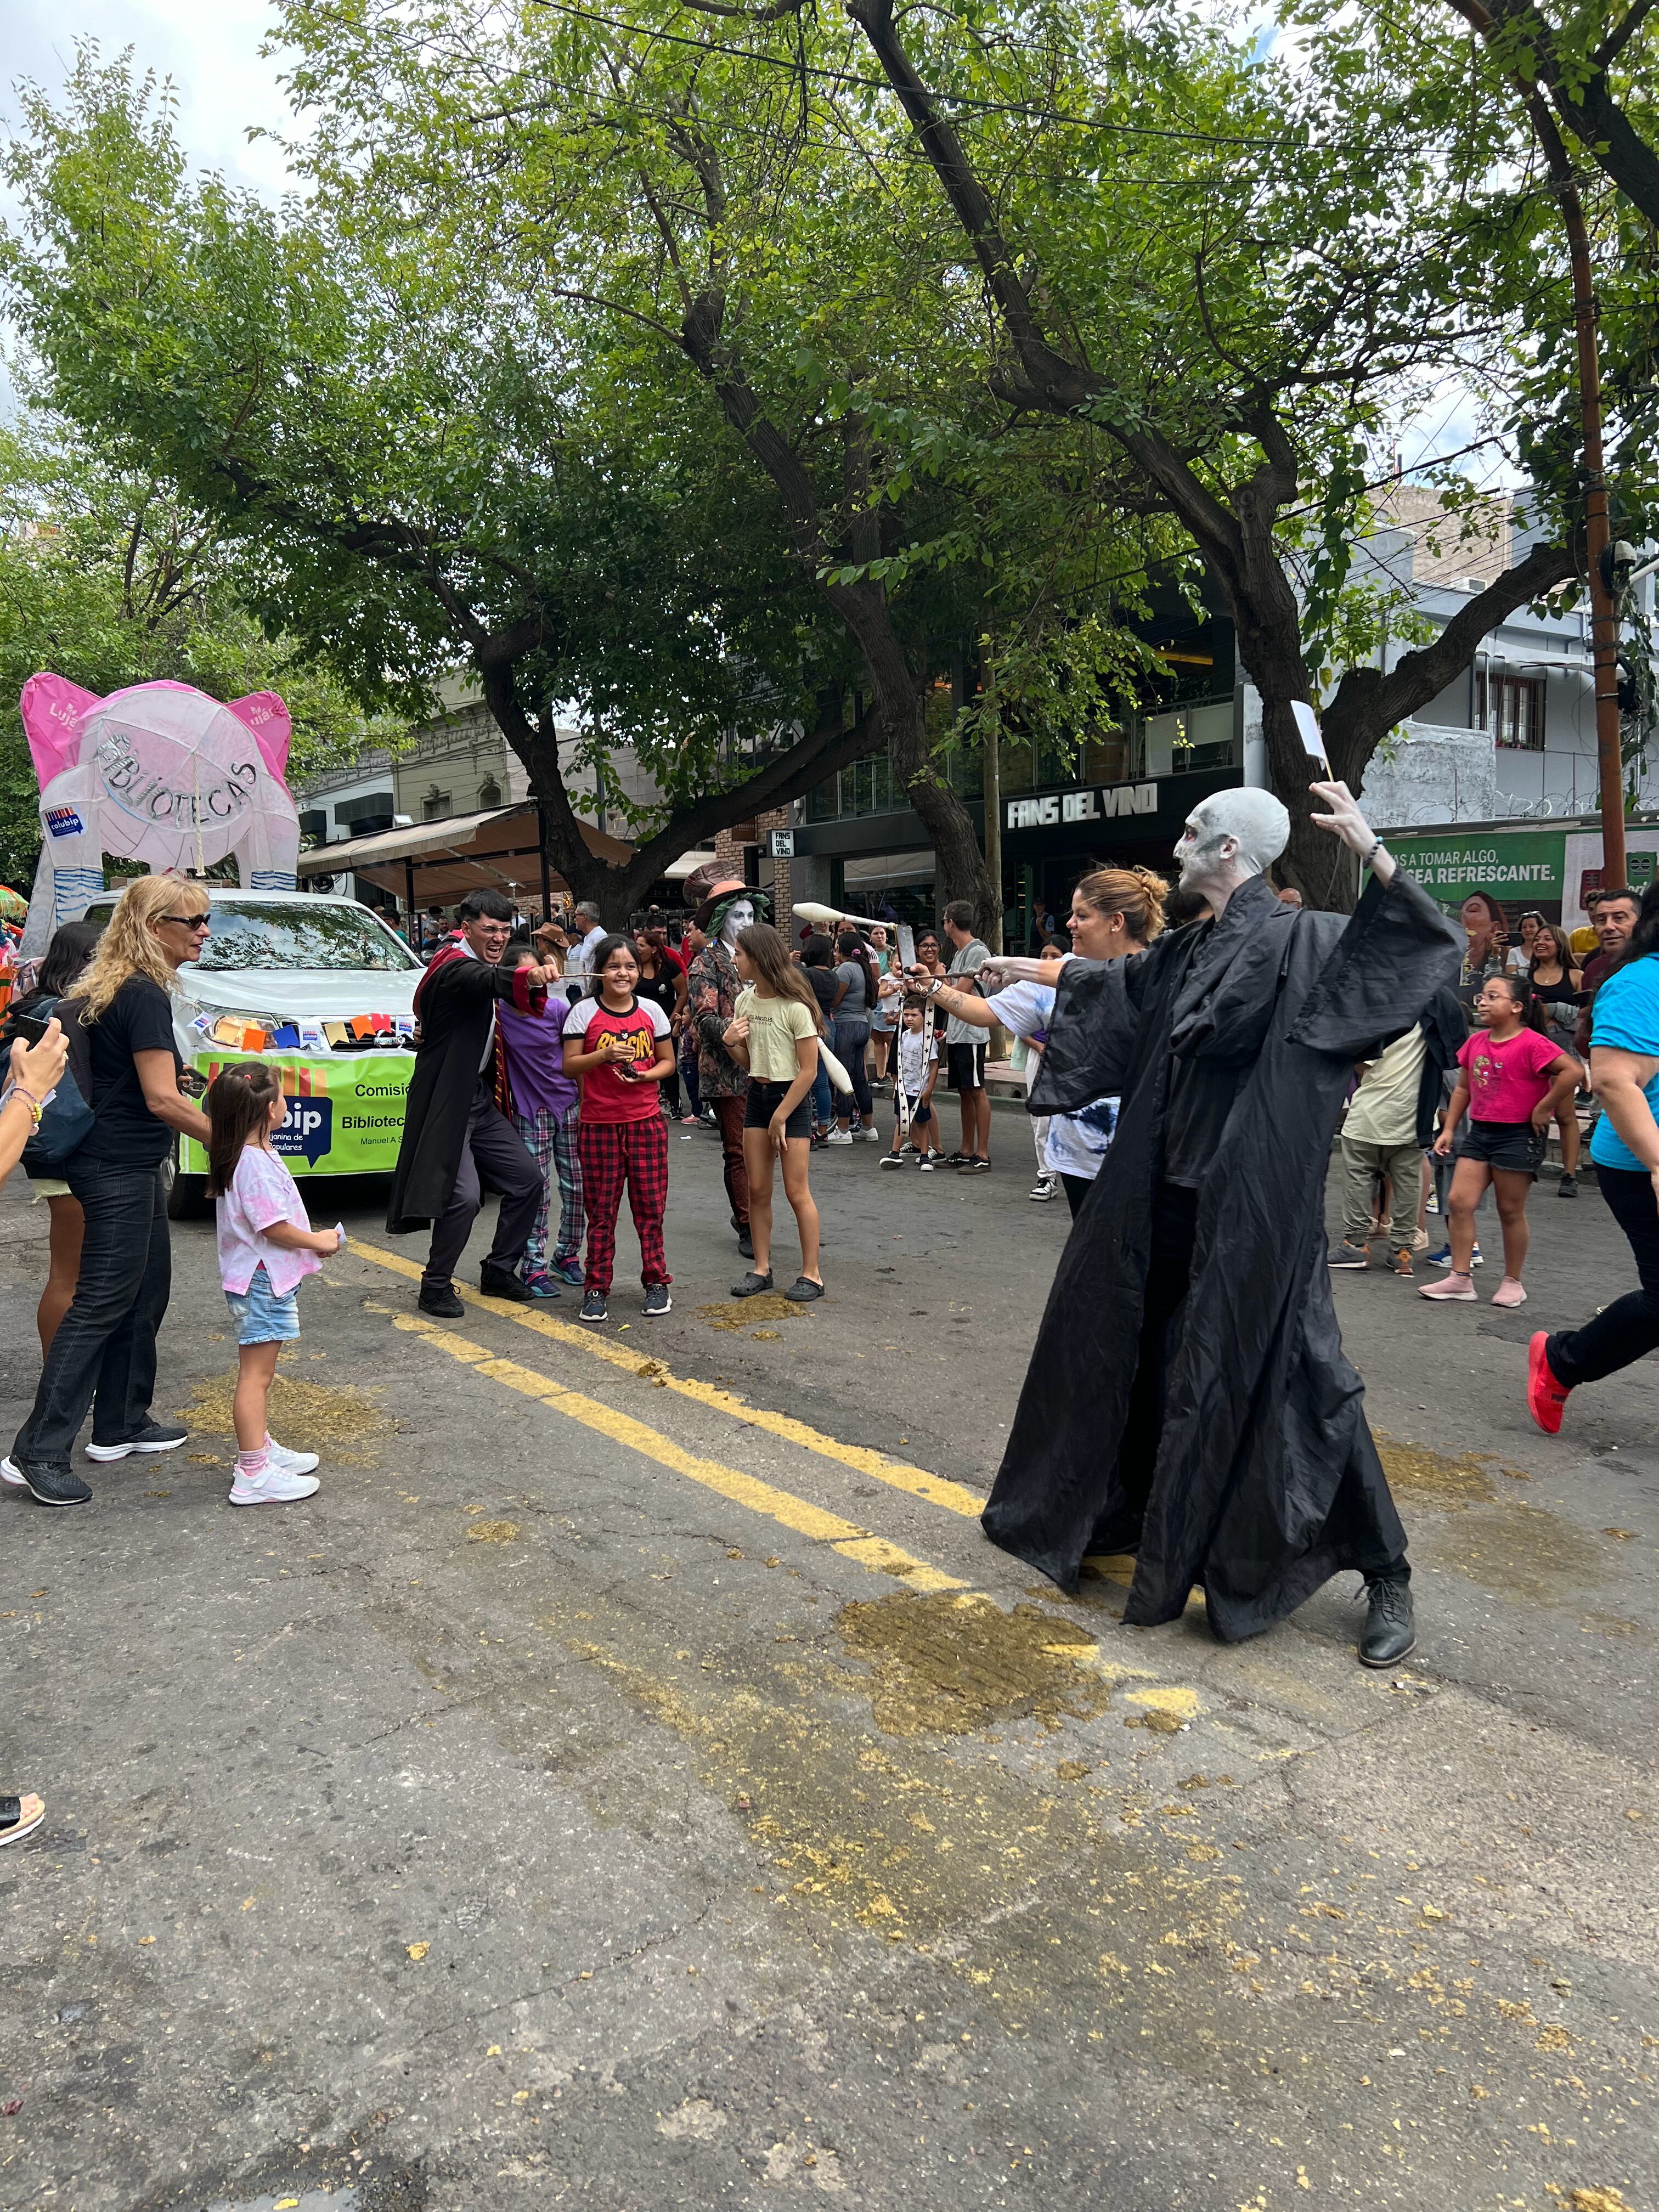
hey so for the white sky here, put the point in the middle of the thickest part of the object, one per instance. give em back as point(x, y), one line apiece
point(209, 48)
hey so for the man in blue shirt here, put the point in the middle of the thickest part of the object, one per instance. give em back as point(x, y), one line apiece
point(1625, 1146)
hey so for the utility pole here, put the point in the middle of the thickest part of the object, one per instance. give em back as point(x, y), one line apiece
point(1604, 617)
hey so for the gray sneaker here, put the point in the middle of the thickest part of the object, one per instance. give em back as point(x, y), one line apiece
point(657, 1300)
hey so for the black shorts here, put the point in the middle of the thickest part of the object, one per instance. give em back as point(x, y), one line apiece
point(964, 1066)
point(920, 1111)
point(762, 1102)
point(1515, 1146)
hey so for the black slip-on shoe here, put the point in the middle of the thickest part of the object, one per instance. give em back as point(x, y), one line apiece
point(803, 1289)
point(443, 1304)
point(502, 1283)
point(745, 1243)
point(752, 1285)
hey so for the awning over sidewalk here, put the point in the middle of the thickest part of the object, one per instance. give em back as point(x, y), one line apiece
point(438, 863)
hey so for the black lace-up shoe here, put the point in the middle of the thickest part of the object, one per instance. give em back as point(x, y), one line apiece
point(1390, 1631)
point(47, 1486)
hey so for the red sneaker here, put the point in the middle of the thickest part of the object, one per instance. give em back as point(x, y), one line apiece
point(1547, 1399)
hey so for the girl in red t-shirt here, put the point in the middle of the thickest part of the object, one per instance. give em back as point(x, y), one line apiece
point(617, 1045)
point(1513, 1080)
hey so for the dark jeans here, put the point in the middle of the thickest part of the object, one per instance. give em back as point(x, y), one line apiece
point(495, 1152)
point(849, 1045)
point(687, 1065)
point(103, 1353)
point(1628, 1328)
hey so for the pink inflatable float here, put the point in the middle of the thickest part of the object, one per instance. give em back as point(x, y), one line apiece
point(160, 774)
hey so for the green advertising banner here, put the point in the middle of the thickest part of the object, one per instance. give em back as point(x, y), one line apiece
point(345, 1116)
point(1523, 868)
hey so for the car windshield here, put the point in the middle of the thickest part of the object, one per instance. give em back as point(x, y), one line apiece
point(313, 933)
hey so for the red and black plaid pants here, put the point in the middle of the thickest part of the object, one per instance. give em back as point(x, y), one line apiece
point(613, 1153)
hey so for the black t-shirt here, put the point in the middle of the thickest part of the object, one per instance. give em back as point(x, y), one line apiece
point(663, 987)
point(823, 981)
point(126, 1134)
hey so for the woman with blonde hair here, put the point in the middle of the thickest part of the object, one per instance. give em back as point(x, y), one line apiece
point(119, 1022)
point(1115, 912)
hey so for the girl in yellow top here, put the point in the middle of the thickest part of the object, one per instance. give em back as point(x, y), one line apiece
point(773, 1032)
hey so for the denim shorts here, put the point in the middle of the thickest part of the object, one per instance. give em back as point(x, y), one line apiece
point(261, 1317)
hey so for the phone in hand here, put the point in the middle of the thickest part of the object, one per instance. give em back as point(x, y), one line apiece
point(30, 1027)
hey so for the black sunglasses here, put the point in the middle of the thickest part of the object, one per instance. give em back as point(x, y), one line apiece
point(189, 921)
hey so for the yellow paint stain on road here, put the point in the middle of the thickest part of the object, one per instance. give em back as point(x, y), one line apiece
point(916, 1482)
point(807, 1519)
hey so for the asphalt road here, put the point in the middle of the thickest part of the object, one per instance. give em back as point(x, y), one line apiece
point(634, 1781)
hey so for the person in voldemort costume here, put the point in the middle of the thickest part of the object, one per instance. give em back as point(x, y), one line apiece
point(1188, 1400)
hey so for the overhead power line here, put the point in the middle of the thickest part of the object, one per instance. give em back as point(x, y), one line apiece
point(1029, 109)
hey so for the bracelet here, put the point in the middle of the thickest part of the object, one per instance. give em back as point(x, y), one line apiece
point(1376, 846)
point(37, 1106)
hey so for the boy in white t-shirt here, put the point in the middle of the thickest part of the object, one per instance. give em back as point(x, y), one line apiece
point(916, 1065)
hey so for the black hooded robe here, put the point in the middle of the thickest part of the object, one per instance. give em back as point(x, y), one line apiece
point(1264, 1480)
point(456, 1004)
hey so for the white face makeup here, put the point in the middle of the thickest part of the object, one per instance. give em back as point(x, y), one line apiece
point(739, 915)
point(1232, 835)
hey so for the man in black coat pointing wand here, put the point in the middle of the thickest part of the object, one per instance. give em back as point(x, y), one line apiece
point(1188, 1400)
point(455, 1136)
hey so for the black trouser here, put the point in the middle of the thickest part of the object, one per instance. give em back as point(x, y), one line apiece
point(103, 1353)
point(1077, 1188)
point(1174, 1215)
point(494, 1152)
point(1628, 1328)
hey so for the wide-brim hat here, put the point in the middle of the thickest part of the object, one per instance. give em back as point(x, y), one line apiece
point(716, 889)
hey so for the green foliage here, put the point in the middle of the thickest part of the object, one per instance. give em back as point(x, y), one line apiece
point(106, 579)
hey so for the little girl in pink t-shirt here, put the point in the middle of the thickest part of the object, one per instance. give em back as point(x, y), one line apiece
point(1512, 1082)
point(267, 1246)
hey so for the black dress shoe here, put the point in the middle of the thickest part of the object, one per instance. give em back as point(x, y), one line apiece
point(502, 1283)
point(444, 1303)
point(1390, 1629)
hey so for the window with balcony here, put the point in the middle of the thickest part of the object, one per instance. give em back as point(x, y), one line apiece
point(1510, 708)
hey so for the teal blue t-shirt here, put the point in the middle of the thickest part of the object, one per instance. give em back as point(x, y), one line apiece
point(1625, 1015)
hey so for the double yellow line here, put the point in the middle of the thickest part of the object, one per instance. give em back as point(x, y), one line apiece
point(807, 1520)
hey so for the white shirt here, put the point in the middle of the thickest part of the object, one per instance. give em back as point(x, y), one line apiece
point(918, 1050)
point(489, 1041)
point(577, 962)
point(1077, 1142)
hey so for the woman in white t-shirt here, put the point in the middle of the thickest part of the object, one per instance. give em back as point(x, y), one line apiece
point(1115, 912)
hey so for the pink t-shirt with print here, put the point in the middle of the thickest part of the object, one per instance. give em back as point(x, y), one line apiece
point(262, 1193)
point(1506, 1081)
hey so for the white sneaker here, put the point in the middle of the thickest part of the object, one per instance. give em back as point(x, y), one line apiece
point(1044, 1189)
point(276, 1486)
point(839, 1137)
point(871, 1135)
point(291, 1462)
